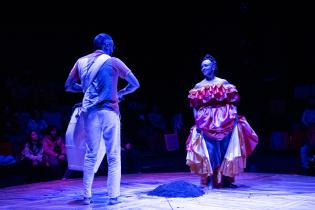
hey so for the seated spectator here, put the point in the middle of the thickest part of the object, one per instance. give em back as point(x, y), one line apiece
point(32, 159)
point(307, 152)
point(155, 129)
point(156, 118)
point(9, 169)
point(55, 151)
point(130, 157)
point(6, 156)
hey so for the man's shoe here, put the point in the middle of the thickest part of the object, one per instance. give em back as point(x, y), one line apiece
point(87, 200)
point(113, 201)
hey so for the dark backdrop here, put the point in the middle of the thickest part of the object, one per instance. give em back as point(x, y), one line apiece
point(264, 48)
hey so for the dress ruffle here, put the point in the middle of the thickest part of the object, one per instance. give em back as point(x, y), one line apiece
point(218, 93)
point(197, 157)
point(216, 117)
point(242, 144)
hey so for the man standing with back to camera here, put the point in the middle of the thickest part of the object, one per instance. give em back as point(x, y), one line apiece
point(97, 75)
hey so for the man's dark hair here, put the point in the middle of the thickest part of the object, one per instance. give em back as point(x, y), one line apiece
point(100, 39)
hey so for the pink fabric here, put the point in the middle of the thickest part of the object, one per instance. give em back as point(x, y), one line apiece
point(216, 117)
point(213, 94)
point(216, 122)
point(247, 136)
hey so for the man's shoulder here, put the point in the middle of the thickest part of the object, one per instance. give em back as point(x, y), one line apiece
point(117, 62)
point(90, 55)
point(115, 59)
point(84, 57)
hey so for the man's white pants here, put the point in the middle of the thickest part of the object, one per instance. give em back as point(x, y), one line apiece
point(102, 125)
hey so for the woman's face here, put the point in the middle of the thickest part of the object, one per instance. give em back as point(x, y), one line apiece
point(207, 68)
point(53, 131)
point(34, 136)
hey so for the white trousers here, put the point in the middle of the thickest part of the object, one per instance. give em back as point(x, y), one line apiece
point(102, 125)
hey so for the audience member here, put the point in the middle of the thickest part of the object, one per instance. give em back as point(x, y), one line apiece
point(55, 151)
point(32, 159)
point(130, 156)
point(307, 150)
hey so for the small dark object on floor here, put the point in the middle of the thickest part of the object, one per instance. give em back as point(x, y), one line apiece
point(177, 189)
